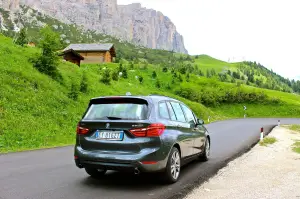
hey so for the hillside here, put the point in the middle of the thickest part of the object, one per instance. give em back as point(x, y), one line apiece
point(132, 23)
point(37, 111)
point(249, 73)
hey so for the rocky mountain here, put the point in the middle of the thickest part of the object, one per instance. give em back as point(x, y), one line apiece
point(133, 23)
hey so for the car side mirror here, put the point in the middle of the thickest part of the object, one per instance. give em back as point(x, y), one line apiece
point(200, 122)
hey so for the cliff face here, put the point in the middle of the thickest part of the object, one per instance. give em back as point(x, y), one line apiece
point(10, 4)
point(145, 27)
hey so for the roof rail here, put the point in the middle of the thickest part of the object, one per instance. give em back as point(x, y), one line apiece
point(158, 95)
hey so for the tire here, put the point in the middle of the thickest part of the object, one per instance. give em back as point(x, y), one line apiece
point(95, 173)
point(172, 171)
point(205, 155)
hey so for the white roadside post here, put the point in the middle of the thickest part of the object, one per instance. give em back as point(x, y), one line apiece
point(278, 122)
point(208, 119)
point(261, 134)
point(245, 108)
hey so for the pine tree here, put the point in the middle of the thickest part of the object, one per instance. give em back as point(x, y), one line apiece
point(47, 61)
point(22, 38)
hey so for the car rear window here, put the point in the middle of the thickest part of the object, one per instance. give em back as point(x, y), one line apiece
point(117, 110)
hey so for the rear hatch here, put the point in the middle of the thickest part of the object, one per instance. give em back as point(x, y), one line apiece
point(115, 125)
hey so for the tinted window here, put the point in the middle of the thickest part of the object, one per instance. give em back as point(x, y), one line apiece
point(172, 114)
point(178, 112)
point(125, 111)
point(189, 114)
point(163, 110)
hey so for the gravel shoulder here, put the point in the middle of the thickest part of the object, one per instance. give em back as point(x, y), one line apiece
point(267, 172)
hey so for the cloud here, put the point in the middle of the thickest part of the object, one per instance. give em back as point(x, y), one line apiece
point(266, 31)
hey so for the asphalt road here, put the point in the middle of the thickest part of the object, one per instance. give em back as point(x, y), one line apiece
point(51, 174)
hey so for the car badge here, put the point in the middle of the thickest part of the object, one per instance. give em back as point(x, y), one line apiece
point(107, 125)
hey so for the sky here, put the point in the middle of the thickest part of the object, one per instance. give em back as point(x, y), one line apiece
point(266, 31)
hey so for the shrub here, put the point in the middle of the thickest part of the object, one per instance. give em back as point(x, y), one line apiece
point(187, 77)
point(106, 77)
point(180, 78)
point(157, 84)
point(73, 94)
point(141, 79)
point(115, 75)
point(183, 70)
point(131, 65)
point(124, 75)
point(84, 84)
point(154, 75)
point(165, 69)
point(120, 68)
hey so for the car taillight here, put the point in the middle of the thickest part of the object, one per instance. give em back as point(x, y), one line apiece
point(81, 130)
point(154, 130)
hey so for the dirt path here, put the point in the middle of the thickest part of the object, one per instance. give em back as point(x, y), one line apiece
point(264, 172)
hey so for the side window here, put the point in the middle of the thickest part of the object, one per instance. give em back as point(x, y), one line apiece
point(178, 112)
point(172, 114)
point(189, 114)
point(163, 110)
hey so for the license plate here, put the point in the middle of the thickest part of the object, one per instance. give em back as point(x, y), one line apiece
point(109, 135)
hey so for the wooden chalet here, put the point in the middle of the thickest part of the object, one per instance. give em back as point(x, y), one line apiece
point(92, 53)
point(72, 56)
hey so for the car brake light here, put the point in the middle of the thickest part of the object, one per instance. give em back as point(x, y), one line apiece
point(81, 130)
point(154, 130)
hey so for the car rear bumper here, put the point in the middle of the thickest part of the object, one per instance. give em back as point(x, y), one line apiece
point(121, 162)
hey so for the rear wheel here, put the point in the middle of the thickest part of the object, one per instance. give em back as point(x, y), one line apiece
point(95, 173)
point(172, 171)
point(205, 155)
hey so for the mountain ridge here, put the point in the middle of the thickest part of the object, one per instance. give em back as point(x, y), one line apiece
point(132, 23)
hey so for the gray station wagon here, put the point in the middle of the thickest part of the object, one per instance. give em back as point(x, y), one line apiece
point(139, 134)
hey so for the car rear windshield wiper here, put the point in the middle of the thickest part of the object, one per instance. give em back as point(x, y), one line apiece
point(113, 118)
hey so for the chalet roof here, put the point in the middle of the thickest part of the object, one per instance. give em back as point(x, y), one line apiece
point(73, 52)
point(90, 47)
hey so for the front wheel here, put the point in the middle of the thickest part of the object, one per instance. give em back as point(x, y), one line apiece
point(172, 172)
point(205, 155)
point(95, 173)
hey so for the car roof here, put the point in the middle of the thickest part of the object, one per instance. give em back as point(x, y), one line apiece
point(146, 97)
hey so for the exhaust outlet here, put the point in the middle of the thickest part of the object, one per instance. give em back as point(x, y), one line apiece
point(136, 171)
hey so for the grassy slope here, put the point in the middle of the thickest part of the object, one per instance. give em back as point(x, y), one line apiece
point(35, 111)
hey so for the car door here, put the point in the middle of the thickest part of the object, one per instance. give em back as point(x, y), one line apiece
point(186, 137)
point(197, 130)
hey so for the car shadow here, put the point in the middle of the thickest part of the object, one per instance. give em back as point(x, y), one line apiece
point(141, 182)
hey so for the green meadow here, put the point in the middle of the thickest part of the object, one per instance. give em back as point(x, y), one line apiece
point(37, 111)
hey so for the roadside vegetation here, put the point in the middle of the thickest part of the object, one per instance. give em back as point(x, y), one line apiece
point(267, 141)
point(296, 145)
point(295, 128)
point(42, 98)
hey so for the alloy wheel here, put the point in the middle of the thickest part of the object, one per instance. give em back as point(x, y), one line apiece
point(175, 165)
